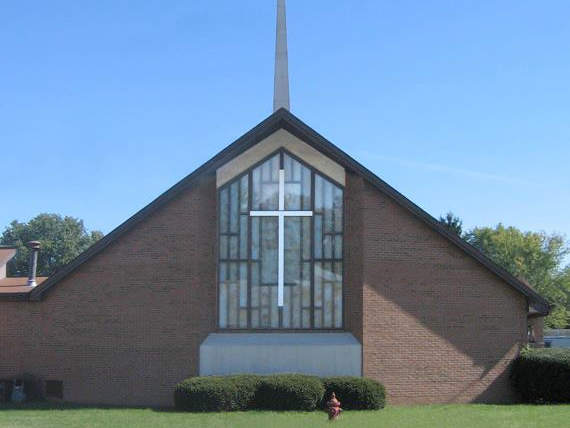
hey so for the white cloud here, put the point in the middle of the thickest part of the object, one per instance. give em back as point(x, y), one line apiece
point(427, 166)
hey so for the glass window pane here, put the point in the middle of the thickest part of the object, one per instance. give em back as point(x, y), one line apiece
point(287, 167)
point(274, 308)
point(232, 305)
point(318, 236)
point(233, 247)
point(327, 247)
point(338, 296)
point(287, 307)
point(295, 306)
point(328, 208)
point(292, 250)
point(254, 284)
point(306, 238)
point(255, 318)
point(318, 318)
point(265, 320)
point(243, 237)
point(338, 204)
point(223, 310)
point(328, 281)
point(269, 250)
point(223, 247)
point(318, 299)
point(328, 304)
point(275, 160)
point(223, 303)
point(296, 170)
point(338, 247)
point(297, 184)
point(256, 191)
point(306, 296)
point(306, 189)
point(266, 185)
point(234, 208)
point(318, 193)
point(233, 272)
point(243, 285)
point(269, 196)
point(244, 195)
point(255, 228)
point(243, 318)
point(223, 209)
point(292, 196)
point(306, 318)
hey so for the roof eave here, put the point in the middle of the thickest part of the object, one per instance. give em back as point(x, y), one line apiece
point(286, 120)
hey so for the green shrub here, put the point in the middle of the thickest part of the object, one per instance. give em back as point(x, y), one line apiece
point(543, 375)
point(216, 393)
point(278, 392)
point(289, 392)
point(355, 393)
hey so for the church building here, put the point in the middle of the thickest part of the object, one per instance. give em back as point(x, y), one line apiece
point(280, 254)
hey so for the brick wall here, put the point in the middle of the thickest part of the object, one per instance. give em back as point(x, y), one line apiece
point(353, 268)
point(438, 327)
point(126, 326)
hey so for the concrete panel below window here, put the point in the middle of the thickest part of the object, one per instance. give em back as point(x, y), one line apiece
point(320, 354)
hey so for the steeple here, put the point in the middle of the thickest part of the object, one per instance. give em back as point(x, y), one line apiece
point(281, 91)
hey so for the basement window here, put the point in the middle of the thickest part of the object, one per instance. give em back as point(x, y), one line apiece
point(54, 389)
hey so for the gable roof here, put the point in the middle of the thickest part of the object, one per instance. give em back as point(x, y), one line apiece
point(283, 119)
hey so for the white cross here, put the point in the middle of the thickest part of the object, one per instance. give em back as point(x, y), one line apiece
point(281, 214)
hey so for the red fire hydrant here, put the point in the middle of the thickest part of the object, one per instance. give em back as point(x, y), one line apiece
point(333, 408)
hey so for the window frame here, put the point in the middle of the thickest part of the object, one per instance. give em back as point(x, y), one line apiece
point(237, 178)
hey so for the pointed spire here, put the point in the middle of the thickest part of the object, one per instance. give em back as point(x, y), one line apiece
point(281, 91)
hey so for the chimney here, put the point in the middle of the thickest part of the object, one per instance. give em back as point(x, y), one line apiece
point(34, 247)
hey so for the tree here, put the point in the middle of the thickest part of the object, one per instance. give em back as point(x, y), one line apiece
point(62, 239)
point(560, 315)
point(452, 222)
point(534, 257)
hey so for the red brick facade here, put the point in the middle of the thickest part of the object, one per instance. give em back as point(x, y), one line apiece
point(126, 326)
point(436, 326)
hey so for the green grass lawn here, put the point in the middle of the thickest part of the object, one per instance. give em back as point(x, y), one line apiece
point(462, 416)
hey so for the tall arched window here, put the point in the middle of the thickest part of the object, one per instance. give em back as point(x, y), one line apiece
point(281, 248)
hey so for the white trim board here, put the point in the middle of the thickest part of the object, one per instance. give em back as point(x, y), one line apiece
point(277, 140)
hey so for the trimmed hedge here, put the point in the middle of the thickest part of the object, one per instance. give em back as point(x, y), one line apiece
point(289, 392)
point(543, 375)
point(356, 393)
point(278, 392)
point(216, 393)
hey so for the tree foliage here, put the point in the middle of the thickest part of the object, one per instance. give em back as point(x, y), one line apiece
point(452, 222)
point(534, 257)
point(62, 239)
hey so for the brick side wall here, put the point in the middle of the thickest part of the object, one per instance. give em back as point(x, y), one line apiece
point(438, 327)
point(353, 256)
point(126, 326)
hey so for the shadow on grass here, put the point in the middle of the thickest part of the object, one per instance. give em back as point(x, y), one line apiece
point(55, 405)
point(42, 405)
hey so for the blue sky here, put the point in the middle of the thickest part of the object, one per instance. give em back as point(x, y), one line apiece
point(461, 106)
